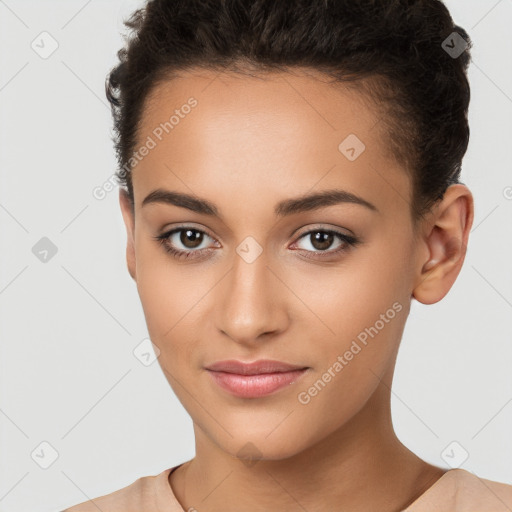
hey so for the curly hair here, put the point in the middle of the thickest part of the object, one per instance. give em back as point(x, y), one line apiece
point(395, 52)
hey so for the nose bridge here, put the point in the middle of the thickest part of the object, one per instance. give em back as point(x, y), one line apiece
point(250, 305)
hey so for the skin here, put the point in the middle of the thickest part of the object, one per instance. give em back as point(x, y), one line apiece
point(248, 144)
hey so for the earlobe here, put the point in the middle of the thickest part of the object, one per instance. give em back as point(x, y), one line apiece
point(129, 221)
point(446, 242)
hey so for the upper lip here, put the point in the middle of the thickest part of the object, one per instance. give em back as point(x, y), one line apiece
point(254, 368)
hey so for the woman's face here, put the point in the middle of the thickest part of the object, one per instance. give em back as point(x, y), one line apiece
point(265, 279)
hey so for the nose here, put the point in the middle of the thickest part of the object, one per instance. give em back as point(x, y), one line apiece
point(251, 302)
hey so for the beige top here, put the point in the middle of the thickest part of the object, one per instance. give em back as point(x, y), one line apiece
point(457, 490)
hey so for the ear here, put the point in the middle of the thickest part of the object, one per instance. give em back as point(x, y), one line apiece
point(129, 221)
point(443, 241)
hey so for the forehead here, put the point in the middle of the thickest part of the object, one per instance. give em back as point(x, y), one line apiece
point(280, 134)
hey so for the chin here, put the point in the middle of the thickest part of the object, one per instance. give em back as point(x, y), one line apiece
point(258, 446)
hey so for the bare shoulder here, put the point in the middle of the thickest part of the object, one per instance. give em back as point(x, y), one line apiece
point(127, 499)
point(146, 494)
point(475, 491)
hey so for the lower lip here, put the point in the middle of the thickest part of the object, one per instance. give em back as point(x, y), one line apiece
point(254, 386)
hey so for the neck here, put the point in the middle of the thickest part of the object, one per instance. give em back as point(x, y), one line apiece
point(360, 466)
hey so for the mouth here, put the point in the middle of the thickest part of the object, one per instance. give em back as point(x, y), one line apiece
point(256, 379)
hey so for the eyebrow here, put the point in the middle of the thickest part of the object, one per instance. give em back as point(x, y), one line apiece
point(284, 208)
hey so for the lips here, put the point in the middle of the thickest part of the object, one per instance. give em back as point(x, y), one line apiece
point(256, 379)
point(254, 368)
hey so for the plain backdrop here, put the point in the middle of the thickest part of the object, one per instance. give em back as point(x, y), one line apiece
point(69, 325)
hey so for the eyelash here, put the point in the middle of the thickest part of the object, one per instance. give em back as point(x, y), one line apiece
point(349, 241)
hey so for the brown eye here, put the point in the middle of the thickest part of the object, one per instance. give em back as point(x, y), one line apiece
point(321, 243)
point(191, 238)
point(185, 242)
point(321, 240)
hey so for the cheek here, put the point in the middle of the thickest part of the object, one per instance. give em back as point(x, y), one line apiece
point(165, 293)
point(161, 301)
point(350, 296)
point(348, 367)
point(169, 302)
point(361, 308)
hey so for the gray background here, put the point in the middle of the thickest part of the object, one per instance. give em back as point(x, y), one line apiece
point(69, 326)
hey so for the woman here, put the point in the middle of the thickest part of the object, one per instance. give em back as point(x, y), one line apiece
point(290, 182)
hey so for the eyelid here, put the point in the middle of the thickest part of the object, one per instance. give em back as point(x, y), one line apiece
point(347, 242)
point(296, 233)
point(323, 227)
point(183, 227)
